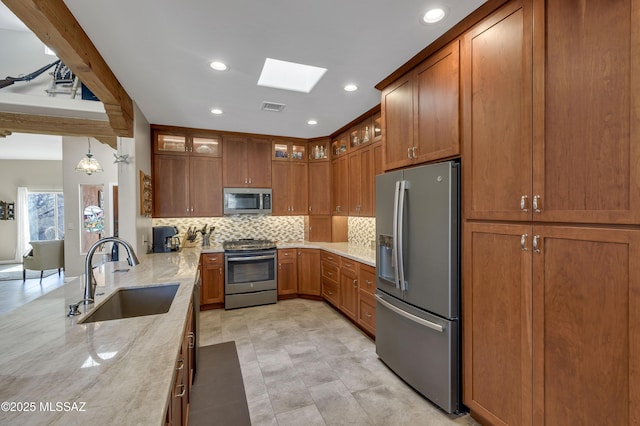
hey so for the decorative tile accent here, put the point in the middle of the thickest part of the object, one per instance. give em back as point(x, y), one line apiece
point(278, 228)
point(362, 230)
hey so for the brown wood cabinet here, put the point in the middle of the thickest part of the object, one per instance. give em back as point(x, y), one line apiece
point(318, 228)
point(420, 112)
point(246, 162)
point(319, 188)
point(497, 108)
point(349, 288)
point(179, 397)
point(340, 185)
point(186, 186)
point(366, 298)
point(289, 151)
point(212, 289)
point(289, 188)
point(539, 303)
point(497, 324)
point(309, 274)
point(287, 272)
point(361, 182)
point(331, 278)
point(562, 136)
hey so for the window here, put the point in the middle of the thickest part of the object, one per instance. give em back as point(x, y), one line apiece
point(46, 216)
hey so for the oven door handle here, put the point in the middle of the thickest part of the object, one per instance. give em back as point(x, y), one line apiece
point(236, 259)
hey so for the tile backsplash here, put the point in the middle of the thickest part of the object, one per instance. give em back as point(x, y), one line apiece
point(362, 230)
point(279, 228)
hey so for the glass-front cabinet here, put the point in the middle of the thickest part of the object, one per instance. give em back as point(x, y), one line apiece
point(166, 143)
point(340, 145)
point(319, 150)
point(376, 127)
point(283, 150)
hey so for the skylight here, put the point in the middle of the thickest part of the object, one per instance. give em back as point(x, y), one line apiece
point(289, 75)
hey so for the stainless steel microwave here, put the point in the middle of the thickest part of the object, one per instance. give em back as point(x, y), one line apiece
point(247, 200)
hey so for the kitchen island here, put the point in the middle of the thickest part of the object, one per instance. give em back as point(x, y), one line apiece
point(55, 370)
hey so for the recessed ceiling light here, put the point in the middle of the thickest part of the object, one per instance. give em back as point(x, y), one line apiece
point(312, 122)
point(350, 88)
point(216, 111)
point(218, 66)
point(434, 15)
point(289, 75)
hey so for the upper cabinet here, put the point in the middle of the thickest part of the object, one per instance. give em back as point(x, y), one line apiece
point(420, 112)
point(340, 145)
point(289, 151)
point(167, 143)
point(497, 108)
point(587, 121)
point(567, 155)
point(187, 177)
point(246, 162)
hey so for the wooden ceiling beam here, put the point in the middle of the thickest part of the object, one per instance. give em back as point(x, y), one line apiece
point(64, 126)
point(53, 23)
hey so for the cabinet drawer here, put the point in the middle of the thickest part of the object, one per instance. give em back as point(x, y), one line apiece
point(349, 264)
point(367, 311)
point(330, 292)
point(287, 253)
point(330, 272)
point(368, 278)
point(210, 259)
point(330, 257)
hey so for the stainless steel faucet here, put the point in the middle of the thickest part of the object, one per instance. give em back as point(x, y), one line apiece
point(89, 279)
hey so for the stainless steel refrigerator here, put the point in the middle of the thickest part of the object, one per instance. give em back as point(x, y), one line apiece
point(418, 279)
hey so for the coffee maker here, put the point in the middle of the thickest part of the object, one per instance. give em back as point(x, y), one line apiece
point(165, 239)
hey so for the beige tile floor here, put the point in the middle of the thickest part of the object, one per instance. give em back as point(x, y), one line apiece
point(303, 363)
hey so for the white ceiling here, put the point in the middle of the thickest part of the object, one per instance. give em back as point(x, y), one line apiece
point(160, 51)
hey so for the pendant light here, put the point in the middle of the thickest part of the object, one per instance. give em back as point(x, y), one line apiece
point(88, 164)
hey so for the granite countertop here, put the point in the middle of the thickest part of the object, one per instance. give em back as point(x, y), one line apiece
point(56, 371)
point(355, 252)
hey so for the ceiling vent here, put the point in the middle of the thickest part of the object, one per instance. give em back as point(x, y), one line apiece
point(272, 106)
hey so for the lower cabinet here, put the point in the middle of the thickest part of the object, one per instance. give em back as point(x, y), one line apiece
point(349, 288)
point(212, 273)
point(551, 318)
point(179, 398)
point(287, 272)
point(366, 298)
point(309, 281)
point(331, 278)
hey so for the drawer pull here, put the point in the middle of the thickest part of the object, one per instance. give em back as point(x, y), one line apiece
point(369, 315)
point(181, 394)
point(181, 362)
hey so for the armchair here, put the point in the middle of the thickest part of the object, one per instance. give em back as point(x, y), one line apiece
point(43, 255)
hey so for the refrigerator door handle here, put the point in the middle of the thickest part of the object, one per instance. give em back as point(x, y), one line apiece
point(400, 226)
point(410, 317)
point(395, 234)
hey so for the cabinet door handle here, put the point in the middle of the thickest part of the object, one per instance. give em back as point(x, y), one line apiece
point(355, 283)
point(523, 203)
point(310, 209)
point(536, 204)
point(249, 180)
point(181, 394)
point(192, 340)
point(523, 242)
point(181, 362)
point(413, 151)
point(536, 243)
point(220, 270)
point(330, 274)
point(409, 153)
point(329, 292)
point(310, 228)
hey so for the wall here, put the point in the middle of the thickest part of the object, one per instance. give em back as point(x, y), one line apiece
point(134, 228)
point(73, 149)
point(36, 175)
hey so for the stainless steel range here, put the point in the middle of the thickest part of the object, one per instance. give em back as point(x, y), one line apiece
point(251, 276)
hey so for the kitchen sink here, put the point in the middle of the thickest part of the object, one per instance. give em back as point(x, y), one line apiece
point(129, 302)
